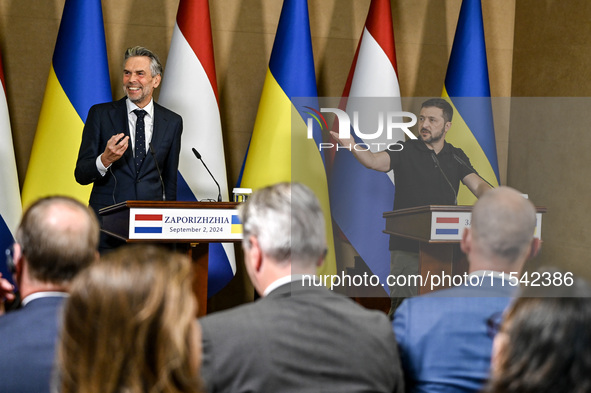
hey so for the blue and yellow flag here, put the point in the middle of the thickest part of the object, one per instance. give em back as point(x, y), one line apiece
point(468, 90)
point(279, 149)
point(78, 79)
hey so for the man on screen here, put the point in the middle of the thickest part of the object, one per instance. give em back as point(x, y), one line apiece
point(427, 171)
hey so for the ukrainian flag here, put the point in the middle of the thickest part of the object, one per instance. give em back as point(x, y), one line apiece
point(279, 148)
point(78, 79)
point(467, 89)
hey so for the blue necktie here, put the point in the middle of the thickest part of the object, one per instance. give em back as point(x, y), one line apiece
point(140, 139)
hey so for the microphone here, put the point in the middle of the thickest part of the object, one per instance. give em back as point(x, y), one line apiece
point(436, 161)
point(210, 174)
point(458, 159)
point(158, 169)
point(115, 185)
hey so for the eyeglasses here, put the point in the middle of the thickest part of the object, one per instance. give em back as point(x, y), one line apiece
point(9, 252)
point(493, 324)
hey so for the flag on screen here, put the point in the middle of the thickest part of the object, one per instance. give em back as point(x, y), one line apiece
point(359, 196)
point(279, 149)
point(10, 203)
point(468, 90)
point(78, 78)
point(189, 88)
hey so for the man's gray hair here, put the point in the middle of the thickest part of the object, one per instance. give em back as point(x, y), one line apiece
point(503, 223)
point(155, 65)
point(288, 222)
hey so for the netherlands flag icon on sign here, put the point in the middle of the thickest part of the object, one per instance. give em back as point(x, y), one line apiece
point(447, 226)
point(148, 223)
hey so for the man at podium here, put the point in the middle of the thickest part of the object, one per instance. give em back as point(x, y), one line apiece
point(148, 169)
point(427, 171)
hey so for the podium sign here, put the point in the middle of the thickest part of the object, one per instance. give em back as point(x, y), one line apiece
point(439, 230)
point(173, 222)
point(184, 224)
point(438, 223)
point(192, 224)
point(451, 225)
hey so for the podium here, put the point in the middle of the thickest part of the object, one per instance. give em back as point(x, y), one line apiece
point(191, 224)
point(438, 229)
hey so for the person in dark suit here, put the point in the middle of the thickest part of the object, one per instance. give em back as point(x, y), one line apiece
point(298, 337)
point(427, 171)
point(127, 144)
point(57, 237)
point(444, 337)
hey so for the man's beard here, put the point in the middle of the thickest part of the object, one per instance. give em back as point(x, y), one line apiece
point(432, 138)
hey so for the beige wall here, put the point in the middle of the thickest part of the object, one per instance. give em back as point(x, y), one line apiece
point(549, 138)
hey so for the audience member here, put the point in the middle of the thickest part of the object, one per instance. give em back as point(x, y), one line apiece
point(129, 326)
point(6, 291)
point(296, 337)
point(57, 237)
point(443, 339)
point(544, 341)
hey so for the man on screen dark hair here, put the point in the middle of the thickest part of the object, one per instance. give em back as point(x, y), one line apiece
point(427, 171)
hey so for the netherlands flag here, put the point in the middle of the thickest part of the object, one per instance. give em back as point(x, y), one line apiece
point(189, 88)
point(447, 226)
point(359, 196)
point(10, 203)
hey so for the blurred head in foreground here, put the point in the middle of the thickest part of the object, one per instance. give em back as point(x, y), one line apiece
point(129, 325)
point(544, 341)
point(501, 235)
point(283, 233)
point(57, 237)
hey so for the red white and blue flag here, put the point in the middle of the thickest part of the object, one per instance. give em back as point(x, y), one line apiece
point(148, 223)
point(10, 203)
point(449, 225)
point(189, 88)
point(360, 196)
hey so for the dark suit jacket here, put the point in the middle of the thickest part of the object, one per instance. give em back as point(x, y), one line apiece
point(300, 340)
point(27, 346)
point(444, 339)
point(120, 183)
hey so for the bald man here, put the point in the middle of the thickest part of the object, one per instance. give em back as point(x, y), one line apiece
point(444, 337)
point(57, 238)
point(297, 337)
